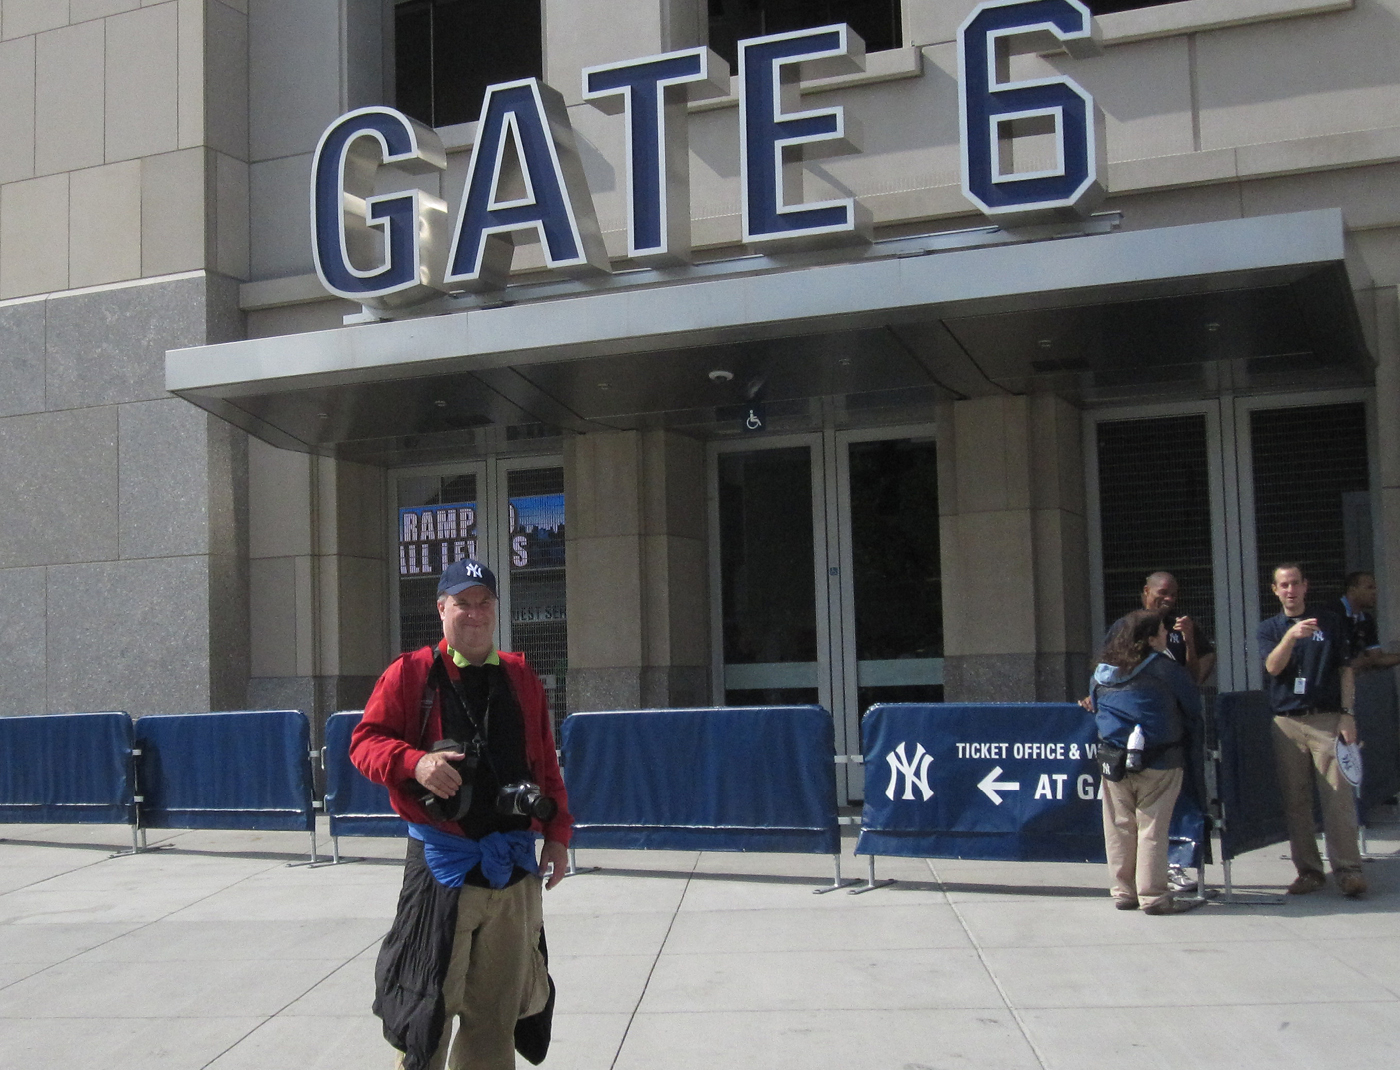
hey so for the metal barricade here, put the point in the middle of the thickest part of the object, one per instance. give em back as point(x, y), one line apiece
point(246, 770)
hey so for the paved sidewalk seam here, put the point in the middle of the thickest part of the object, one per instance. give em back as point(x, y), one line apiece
point(118, 936)
point(632, 1017)
point(991, 975)
point(279, 1010)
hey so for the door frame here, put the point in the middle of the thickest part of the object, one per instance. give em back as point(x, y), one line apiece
point(1234, 555)
point(813, 442)
point(498, 471)
point(846, 674)
point(492, 511)
point(1249, 594)
point(833, 583)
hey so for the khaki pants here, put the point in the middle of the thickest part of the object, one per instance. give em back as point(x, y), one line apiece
point(496, 975)
point(1305, 750)
point(1137, 812)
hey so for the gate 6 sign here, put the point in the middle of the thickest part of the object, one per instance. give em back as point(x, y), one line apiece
point(995, 110)
point(525, 181)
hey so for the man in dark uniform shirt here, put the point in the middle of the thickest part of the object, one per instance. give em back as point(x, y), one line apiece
point(1187, 645)
point(1305, 666)
point(1357, 612)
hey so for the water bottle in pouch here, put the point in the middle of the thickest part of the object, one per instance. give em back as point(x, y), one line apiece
point(1135, 745)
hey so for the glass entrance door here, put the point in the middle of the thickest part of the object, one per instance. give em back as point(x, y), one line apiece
point(772, 642)
point(827, 576)
point(437, 521)
point(509, 513)
point(892, 590)
point(1219, 492)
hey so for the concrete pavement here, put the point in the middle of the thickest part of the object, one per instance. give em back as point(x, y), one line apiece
point(214, 952)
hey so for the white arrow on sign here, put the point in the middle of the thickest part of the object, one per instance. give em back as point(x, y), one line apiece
point(991, 786)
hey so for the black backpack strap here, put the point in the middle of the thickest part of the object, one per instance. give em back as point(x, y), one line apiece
point(431, 682)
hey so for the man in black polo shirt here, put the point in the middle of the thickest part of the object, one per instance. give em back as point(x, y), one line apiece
point(1304, 665)
point(1357, 611)
point(1187, 645)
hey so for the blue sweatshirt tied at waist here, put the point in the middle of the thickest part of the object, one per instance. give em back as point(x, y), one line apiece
point(450, 858)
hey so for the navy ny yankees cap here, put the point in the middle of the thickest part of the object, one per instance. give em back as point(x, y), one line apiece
point(460, 575)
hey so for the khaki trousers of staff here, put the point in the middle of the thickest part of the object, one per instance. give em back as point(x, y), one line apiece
point(1305, 751)
point(1137, 812)
point(496, 975)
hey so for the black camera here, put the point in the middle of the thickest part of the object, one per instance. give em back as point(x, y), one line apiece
point(454, 807)
point(524, 799)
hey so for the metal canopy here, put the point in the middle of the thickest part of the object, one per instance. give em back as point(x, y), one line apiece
point(1264, 302)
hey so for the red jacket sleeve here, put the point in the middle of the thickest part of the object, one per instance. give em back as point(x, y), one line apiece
point(384, 745)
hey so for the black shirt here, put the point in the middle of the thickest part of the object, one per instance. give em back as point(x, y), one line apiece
point(1317, 662)
point(490, 710)
point(1358, 626)
point(1176, 642)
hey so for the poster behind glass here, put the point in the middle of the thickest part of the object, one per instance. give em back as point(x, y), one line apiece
point(538, 618)
point(437, 524)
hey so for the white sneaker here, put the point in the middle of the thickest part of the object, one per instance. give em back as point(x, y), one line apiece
point(1179, 881)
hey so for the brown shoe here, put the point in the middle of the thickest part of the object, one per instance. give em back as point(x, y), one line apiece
point(1171, 905)
point(1350, 883)
point(1310, 880)
point(1124, 903)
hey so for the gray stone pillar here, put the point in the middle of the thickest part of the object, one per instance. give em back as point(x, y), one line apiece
point(1015, 579)
point(319, 582)
point(1386, 511)
point(637, 591)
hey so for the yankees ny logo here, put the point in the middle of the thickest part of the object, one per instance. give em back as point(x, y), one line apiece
point(473, 571)
point(915, 772)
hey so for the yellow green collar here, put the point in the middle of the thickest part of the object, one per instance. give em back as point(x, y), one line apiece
point(460, 660)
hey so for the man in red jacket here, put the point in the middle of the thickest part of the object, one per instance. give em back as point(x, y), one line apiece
point(460, 735)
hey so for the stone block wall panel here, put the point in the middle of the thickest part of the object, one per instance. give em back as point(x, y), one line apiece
point(109, 347)
point(23, 622)
point(132, 635)
point(21, 358)
point(59, 471)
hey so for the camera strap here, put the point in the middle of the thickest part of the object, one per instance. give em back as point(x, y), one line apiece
point(439, 682)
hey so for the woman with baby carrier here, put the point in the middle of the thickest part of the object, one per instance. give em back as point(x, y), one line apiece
point(1146, 706)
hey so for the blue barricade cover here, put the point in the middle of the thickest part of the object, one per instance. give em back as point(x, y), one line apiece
point(70, 768)
point(720, 779)
point(987, 781)
point(1248, 779)
point(248, 770)
point(1190, 840)
point(1378, 725)
point(356, 805)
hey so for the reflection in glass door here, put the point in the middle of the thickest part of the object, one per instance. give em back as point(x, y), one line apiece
point(437, 523)
point(895, 592)
point(534, 602)
point(828, 576)
point(768, 600)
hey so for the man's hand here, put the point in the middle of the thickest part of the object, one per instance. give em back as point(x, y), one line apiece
point(554, 856)
point(435, 774)
point(1087, 702)
point(1304, 629)
point(1282, 654)
point(1346, 728)
point(1187, 627)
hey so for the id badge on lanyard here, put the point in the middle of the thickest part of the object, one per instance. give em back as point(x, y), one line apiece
point(1300, 685)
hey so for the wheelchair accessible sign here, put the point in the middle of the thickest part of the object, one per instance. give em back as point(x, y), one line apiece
point(1015, 782)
